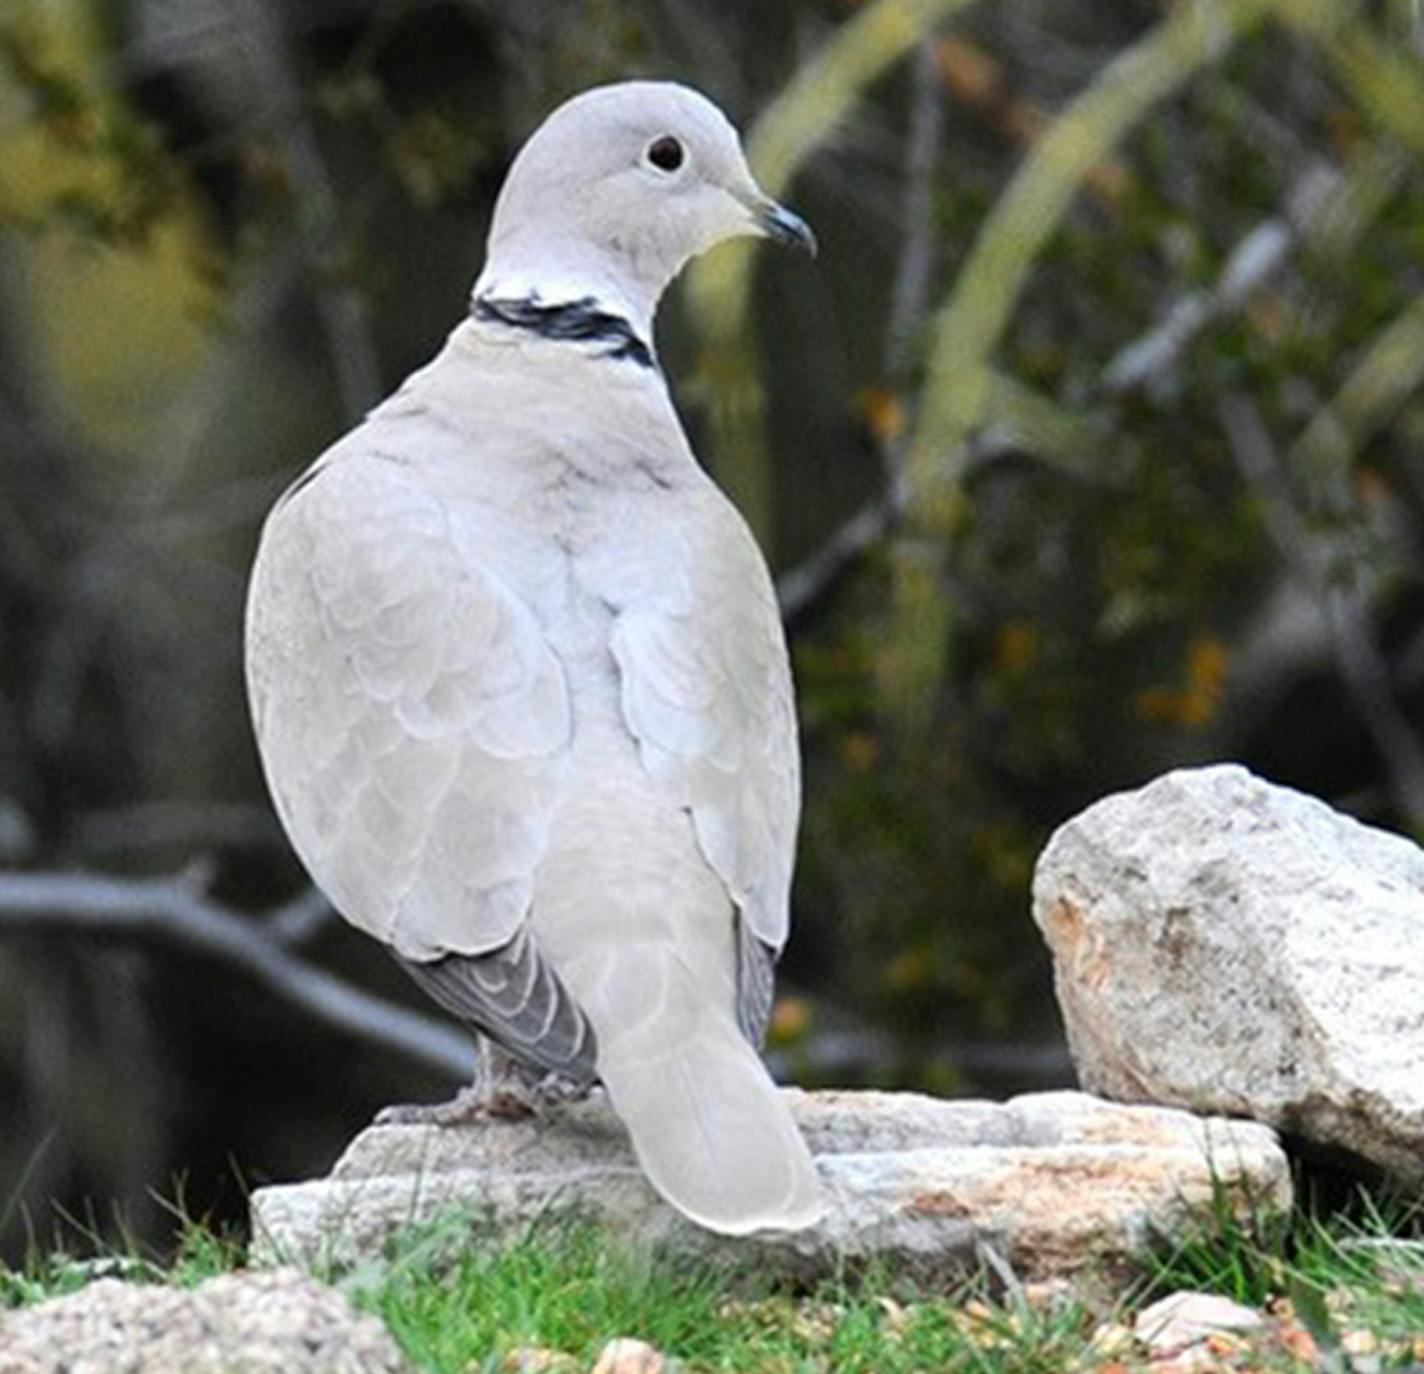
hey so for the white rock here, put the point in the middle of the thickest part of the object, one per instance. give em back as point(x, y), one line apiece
point(539, 1359)
point(1055, 1182)
point(625, 1355)
point(1183, 1319)
point(1226, 945)
point(280, 1322)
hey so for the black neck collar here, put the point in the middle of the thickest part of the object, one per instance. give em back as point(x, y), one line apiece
point(581, 321)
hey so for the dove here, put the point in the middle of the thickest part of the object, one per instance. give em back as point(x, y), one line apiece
point(519, 684)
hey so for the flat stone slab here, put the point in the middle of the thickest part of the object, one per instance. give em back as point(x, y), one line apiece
point(1055, 1183)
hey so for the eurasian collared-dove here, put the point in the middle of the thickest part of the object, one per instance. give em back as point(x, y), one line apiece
point(519, 682)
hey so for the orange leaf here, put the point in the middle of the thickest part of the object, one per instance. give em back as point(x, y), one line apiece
point(882, 412)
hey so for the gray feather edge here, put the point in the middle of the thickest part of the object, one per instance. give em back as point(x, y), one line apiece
point(515, 997)
point(756, 983)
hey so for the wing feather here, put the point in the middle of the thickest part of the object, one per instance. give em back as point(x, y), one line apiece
point(514, 995)
point(756, 984)
point(413, 721)
point(707, 692)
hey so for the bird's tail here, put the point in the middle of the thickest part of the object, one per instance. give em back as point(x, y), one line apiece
point(710, 1128)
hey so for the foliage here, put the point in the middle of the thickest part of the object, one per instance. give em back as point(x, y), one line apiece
point(456, 1301)
point(1359, 1268)
point(572, 1290)
point(196, 1251)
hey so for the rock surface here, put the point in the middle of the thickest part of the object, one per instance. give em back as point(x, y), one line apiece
point(1184, 1319)
point(1226, 945)
point(627, 1355)
point(279, 1322)
point(1054, 1182)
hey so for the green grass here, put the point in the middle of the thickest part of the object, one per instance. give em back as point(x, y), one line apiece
point(198, 1253)
point(1239, 1247)
point(569, 1287)
point(1358, 1269)
point(456, 1306)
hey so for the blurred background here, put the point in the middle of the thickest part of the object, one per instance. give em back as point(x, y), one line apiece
point(1089, 447)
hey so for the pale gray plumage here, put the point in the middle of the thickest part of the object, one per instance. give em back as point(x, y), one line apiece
point(518, 678)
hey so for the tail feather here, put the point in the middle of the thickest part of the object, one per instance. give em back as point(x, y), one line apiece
point(712, 1131)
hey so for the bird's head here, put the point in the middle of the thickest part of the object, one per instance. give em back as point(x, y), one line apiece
point(617, 190)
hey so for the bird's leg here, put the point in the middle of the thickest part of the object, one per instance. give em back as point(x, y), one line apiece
point(462, 1109)
point(514, 1088)
point(504, 1088)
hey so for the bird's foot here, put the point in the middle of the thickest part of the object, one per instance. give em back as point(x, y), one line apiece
point(521, 1094)
point(505, 1097)
point(554, 1089)
point(466, 1107)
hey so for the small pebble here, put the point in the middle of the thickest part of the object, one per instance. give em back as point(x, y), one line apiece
point(628, 1356)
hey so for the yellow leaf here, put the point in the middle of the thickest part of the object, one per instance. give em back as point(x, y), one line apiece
point(882, 412)
point(1016, 647)
point(908, 970)
point(971, 74)
point(790, 1019)
point(859, 751)
point(1195, 702)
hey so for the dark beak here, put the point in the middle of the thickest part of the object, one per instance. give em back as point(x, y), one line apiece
point(785, 226)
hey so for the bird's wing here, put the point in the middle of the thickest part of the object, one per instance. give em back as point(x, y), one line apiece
point(707, 693)
point(513, 994)
point(756, 983)
point(413, 722)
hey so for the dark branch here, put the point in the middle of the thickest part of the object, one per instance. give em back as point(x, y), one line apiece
point(1258, 255)
point(172, 911)
point(339, 301)
point(799, 588)
point(1335, 592)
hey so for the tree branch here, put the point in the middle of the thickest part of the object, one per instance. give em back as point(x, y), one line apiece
point(174, 912)
point(1253, 261)
point(1313, 209)
point(801, 587)
point(339, 301)
point(910, 292)
point(1362, 668)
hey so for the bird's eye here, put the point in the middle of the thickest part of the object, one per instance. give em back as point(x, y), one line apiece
point(665, 153)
